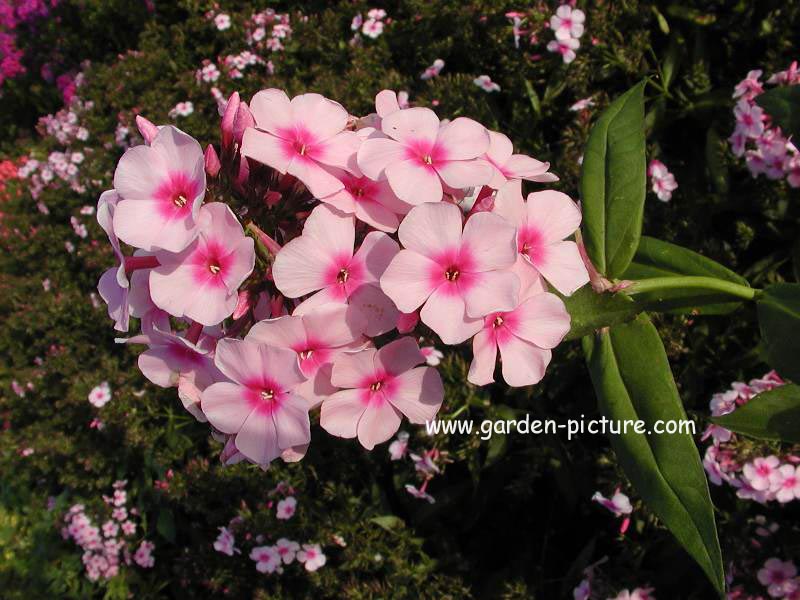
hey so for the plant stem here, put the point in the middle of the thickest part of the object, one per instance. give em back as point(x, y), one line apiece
point(689, 282)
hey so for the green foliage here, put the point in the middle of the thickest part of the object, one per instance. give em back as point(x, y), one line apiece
point(772, 415)
point(782, 104)
point(779, 320)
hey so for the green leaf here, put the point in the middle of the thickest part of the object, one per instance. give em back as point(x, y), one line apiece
point(782, 104)
point(779, 321)
point(655, 258)
point(717, 170)
point(536, 105)
point(770, 415)
point(166, 524)
point(612, 186)
point(662, 22)
point(590, 311)
point(633, 381)
point(388, 522)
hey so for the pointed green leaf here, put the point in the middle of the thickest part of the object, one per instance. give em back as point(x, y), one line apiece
point(633, 381)
point(612, 186)
point(771, 415)
point(590, 311)
point(655, 258)
point(779, 320)
point(782, 104)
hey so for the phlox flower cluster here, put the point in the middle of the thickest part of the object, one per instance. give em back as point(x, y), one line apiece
point(268, 30)
point(779, 578)
point(765, 147)
point(427, 464)
point(100, 395)
point(567, 26)
point(373, 25)
point(9, 172)
point(108, 541)
point(734, 461)
point(14, 16)
point(595, 585)
point(374, 225)
point(181, 109)
point(662, 181)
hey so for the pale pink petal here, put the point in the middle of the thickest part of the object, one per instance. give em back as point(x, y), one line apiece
point(524, 167)
point(339, 151)
point(334, 325)
point(181, 152)
point(500, 148)
point(542, 320)
point(414, 182)
point(407, 280)
point(139, 173)
point(509, 203)
point(419, 394)
point(492, 291)
point(463, 138)
point(376, 252)
point(283, 332)
point(444, 312)
point(238, 360)
point(226, 406)
point(328, 295)
point(322, 117)
point(411, 125)
point(265, 148)
point(319, 387)
point(291, 421)
point(484, 357)
point(138, 223)
point(341, 412)
point(554, 215)
point(272, 110)
point(490, 241)
point(399, 356)
point(331, 229)
point(318, 181)
point(379, 310)
point(116, 298)
point(461, 174)
point(352, 370)
point(531, 282)
point(522, 362)
point(375, 154)
point(431, 229)
point(258, 438)
point(386, 103)
point(376, 215)
point(378, 423)
point(563, 267)
point(301, 267)
point(154, 365)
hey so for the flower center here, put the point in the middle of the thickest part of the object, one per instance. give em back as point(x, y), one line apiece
point(306, 354)
point(452, 273)
point(358, 192)
point(267, 395)
point(342, 276)
point(179, 200)
point(498, 320)
point(427, 159)
point(214, 268)
point(376, 386)
point(301, 148)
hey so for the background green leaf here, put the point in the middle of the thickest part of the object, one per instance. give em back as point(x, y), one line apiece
point(612, 185)
point(590, 311)
point(779, 320)
point(633, 381)
point(771, 415)
point(782, 104)
point(655, 258)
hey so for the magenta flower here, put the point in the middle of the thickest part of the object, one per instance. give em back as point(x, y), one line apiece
point(322, 259)
point(259, 405)
point(161, 188)
point(542, 224)
point(775, 574)
point(458, 276)
point(316, 337)
point(508, 165)
point(619, 503)
point(202, 281)
point(381, 386)
point(419, 155)
point(760, 473)
point(299, 136)
point(524, 337)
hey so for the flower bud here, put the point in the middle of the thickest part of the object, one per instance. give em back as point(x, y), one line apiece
point(212, 161)
point(147, 129)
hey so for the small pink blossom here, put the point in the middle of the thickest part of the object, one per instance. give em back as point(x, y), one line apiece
point(775, 574)
point(100, 395)
point(662, 180)
point(399, 447)
point(222, 21)
point(567, 22)
point(311, 557)
point(372, 28)
point(619, 504)
point(287, 550)
point(486, 84)
point(565, 47)
point(420, 494)
point(267, 559)
point(760, 472)
point(225, 542)
point(785, 481)
point(433, 70)
point(286, 508)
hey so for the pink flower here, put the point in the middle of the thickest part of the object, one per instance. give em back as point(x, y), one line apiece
point(287, 550)
point(399, 447)
point(322, 259)
point(100, 395)
point(259, 404)
point(432, 356)
point(582, 104)
point(312, 557)
point(775, 575)
point(286, 508)
point(486, 84)
point(790, 76)
point(372, 28)
point(266, 557)
point(433, 70)
point(619, 504)
point(786, 480)
point(636, 594)
point(566, 48)
point(222, 21)
point(749, 87)
point(662, 180)
point(316, 337)
point(202, 281)
point(420, 494)
point(381, 385)
point(225, 542)
point(144, 555)
point(508, 165)
point(567, 22)
point(299, 136)
point(524, 336)
point(583, 591)
point(419, 154)
point(542, 224)
point(458, 276)
point(749, 118)
point(372, 202)
point(760, 471)
point(161, 188)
